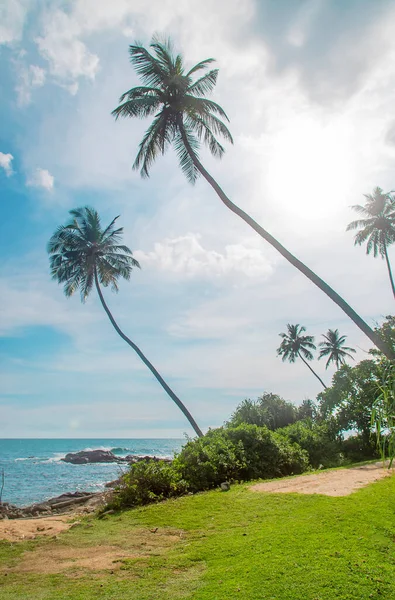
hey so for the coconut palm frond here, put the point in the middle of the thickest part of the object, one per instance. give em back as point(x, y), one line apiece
point(82, 247)
point(177, 103)
point(333, 346)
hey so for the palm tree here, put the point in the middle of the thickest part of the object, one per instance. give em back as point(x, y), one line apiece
point(378, 229)
point(182, 116)
point(295, 345)
point(83, 254)
point(334, 347)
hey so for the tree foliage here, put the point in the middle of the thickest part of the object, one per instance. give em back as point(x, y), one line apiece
point(349, 400)
point(378, 227)
point(83, 247)
point(176, 99)
point(295, 345)
point(333, 347)
point(268, 410)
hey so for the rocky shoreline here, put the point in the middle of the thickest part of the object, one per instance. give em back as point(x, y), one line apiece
point(84, 502)
point(105, 456)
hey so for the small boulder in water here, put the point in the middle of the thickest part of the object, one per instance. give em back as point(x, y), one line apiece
point(91, 456)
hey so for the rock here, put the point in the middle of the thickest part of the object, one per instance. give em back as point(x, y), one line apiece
point(113, 484)
point(105, 456)
point(91, 456)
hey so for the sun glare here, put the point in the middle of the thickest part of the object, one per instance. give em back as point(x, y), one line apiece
point(311, 169)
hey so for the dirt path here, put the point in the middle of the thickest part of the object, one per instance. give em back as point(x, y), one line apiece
point(19, 530)
point(330, 483)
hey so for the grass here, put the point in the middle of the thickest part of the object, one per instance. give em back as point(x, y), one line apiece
point(217, 546)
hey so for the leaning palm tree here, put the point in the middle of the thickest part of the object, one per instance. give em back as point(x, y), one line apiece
point(184, 117)
point(378, 228)
point(83, 254)
point(295, 345)
point(334, 348)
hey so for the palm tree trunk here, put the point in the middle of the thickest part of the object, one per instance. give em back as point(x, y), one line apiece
point(389, 269)
point(372, 335)
point(145, 360)
point(312, 370)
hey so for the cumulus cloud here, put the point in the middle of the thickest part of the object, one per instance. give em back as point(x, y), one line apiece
point(28, 78)
point(186, 256)
point(5, 163)
point(67, 55)
point(41, 178)
point(12, 19)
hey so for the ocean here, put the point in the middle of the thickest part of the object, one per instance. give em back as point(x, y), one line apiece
point(34, 471)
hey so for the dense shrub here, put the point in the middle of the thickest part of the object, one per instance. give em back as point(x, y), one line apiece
point(236, 454)
point(225, 454)
point(316, 439)
point(268, 410)
point(148, 481)
point(210, 460)
point(357, 447)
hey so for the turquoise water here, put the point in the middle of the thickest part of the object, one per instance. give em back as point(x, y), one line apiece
point(34, 471)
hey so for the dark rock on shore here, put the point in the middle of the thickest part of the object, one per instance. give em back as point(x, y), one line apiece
point(105, 456)
point(60, 504)
point(91, 456)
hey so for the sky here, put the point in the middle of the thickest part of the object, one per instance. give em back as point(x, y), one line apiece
point(309, 88)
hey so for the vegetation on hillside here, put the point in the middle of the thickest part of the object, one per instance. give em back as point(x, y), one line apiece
point(233, 545)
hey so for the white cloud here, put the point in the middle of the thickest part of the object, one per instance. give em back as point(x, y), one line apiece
point(186, 256)
point(28, 78)
point(41, 178)
point(68, 56)
point(12, 19)
point(5, 163)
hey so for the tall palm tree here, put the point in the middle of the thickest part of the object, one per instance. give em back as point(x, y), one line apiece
point(334, 348)
point(295, 345)
point(378, 229)
point(184, 117)
point(83, 254)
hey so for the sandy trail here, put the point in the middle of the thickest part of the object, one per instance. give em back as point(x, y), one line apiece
point(19, 530)
point(330, 483)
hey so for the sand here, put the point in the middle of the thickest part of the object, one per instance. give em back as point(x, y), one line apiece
point(341, 482)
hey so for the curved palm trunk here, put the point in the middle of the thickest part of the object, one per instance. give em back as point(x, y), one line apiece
point(372, 335)
point(145, 360)
point(312, 370)
point(389, 269)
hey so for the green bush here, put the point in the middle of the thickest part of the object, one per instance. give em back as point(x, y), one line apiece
point(208, 461)
point(357, 448)
point(267, 455)
point(268, 410)
point(147, 482)
point(238, 454)
point(321, 447)
point(224, 454)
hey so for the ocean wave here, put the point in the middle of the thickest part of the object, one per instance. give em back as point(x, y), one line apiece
point(119, 450)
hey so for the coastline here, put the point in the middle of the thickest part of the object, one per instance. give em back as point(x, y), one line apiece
point(36, 472)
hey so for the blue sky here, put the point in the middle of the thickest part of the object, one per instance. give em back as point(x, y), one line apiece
point(309, 88)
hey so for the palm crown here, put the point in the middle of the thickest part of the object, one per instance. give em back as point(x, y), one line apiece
point(182, 116)
point(83, 250)
point(334, 348)
point(378, 228)
point(294, 344)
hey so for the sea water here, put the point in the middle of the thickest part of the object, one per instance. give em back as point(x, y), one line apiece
point(34, 471)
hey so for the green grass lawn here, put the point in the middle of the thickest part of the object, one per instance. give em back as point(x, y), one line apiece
point(219, 546)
